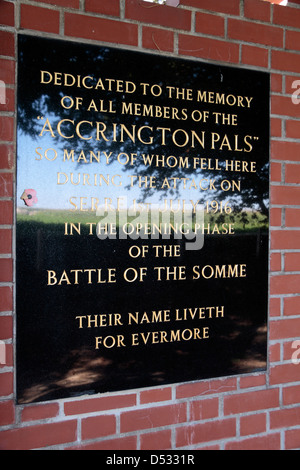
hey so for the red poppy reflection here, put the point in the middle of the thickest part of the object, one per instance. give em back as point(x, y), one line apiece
point(29, 197)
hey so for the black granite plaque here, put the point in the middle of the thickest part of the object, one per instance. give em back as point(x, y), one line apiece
point(142, 220)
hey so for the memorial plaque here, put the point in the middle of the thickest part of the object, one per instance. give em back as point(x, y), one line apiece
point(142, 220)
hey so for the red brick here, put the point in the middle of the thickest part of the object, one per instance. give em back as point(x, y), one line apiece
point(170, 17)
point(285, 195)
point(100, 29)
point(257, 10)
point(212, 447)
point(105, 7)
point(9, 353)
point(153, 417)
point(292, 306)
point(209, 24)
point(276, 83)
point(292, 85)
point(252, 381)
point(292, 262)
point(291, 395)
point(39, 19)
point(6, 212)
point(7, 413)
point(276, 127)
point(7, 13)
point(285, 417)
point(292, 40)
point(208, 48)
point(35, 437)
point(286, 16)
point(98, 426)
point(158, 39)
point(99, 404)
point(205, 432)
point(6, 128)
point(6, 270)
point(64, 3)
point(251, 401)
point(255, 56)
point(275, 306)
point(281, 329)
point(6, 156)
point(276, 172)
point(255, 32)
point(6, 327)
point(274, 353)
point(291, 350)
point(285, 150)
point(268, 442)
point(204, 409)
point(206, 388)
point(7, 71)
point(292, 439)
point(230, 7)
point(6, 184)
point(155, 395)
point(6, 386)
point(253, 424)
point(275, 216)
point(284, 373)
point(287, 61)
point(159, 440)
point(292, 217)
point(285, 284)
point(275, 262)
point(122, 443)
point(6, 299)
point(9, 104)
point(284, 106)
point(7, 43)
point(293, 129)
point(5, 240)
point(31, 413)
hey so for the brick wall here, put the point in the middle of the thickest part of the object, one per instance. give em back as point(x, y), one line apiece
point(259, 411)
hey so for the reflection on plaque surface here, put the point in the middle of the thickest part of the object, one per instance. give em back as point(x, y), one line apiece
point(142, 220)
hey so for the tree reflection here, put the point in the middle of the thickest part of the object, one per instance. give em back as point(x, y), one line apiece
point(114, 68)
